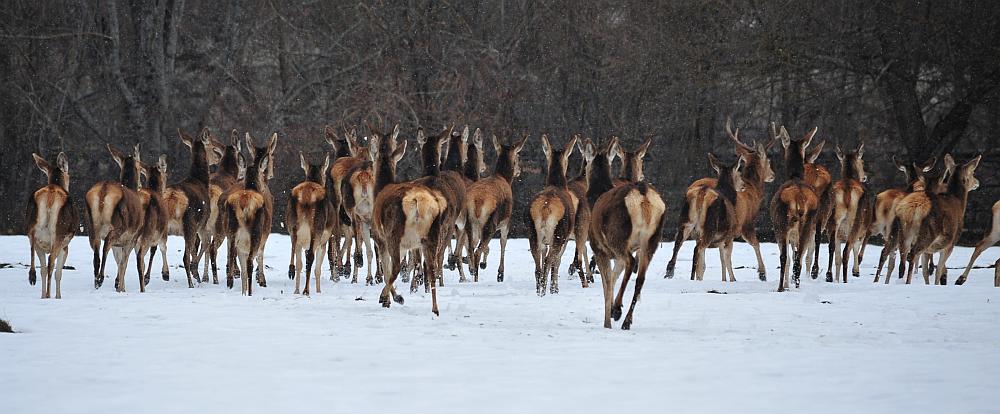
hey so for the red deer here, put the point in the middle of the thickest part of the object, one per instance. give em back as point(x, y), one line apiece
point(473, 167)
point(114, 210)
point(311, 219)
point(248, 212)
point(338, 170)
point(988, 240)
point(187, 205)
point(626, 219)
point(357, 192)
point(755, 173)
point(406, 217)
point(551, 216)
point(581, 230)
point(52, 221)
point(817, 176)
point(220, 182)
point(794, 208)
point(713, 217)
point(930, 223)
point(489, 204)
point(341, 149)
point(851, 215)
point(154, 221)
point(884, 212)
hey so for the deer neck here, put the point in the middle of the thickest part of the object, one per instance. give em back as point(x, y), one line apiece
point(129, 177)
point(600, 179)
point(726, 187)
point(471, 168)
point(556, 176)
point(228, 164)
point(505, 167)
point(199, 165)
point(453, 162)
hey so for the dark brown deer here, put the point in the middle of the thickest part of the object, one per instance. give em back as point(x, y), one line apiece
point(714, 217)
point(551, 217)
point(450, 184)
point(311, 219)
point(851, 215)
point(187, 205)
point(489, 204)
point(817, 176)
point(794, 208)
point(581, 230)
point(115, 213)
point(406, 217)
point(341, 149)
point(248, 215)
point(470, 165)
point(625, 220)
point(154, 221)
point(220, 182)
point(884, 212)
point(338, 170)
point(756, 172)
point(52, 221)
point(931, 223)
point(988, 240)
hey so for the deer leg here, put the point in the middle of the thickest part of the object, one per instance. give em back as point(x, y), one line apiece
point(616, 310)
point(581, 257)
point(640, 279)
point(859, 254)
point(392, 267)
point(429, 273)
point(296, 268)
point(149, 268)
point(104, 257)
point(140, 255)
point(164, 267)
point(310, 256)
point(814, 253)
point(980, 248)
point(537, 256)
point(95, 245)
point(230, 262)
point(50, 269)
point(504, 232)
point(554, 261)
point(833, 253)
point(60, 262)
point(845, 259)
point(682, 234)
point(43, 264)
point(942, 266)
point(121, 260)
point(996, 274)
point(607, 285)
point(294, 255)
point(261, 279)
point(750, 235)
point(783, 255)
point(32, 277)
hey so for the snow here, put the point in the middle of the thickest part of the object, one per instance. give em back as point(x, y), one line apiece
point(499, 347)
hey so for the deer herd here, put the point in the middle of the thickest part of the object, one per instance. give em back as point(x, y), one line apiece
point(353, 198)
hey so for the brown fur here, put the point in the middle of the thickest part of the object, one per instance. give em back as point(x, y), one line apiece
point(249, 211)
point(115, 213)
point(551, 218)
point(340, 168)
point(220, 182)
point(884, 213)
point(794, 209)
point(581, 229)
point(311, 219)
point(358, 198)
point(988, 240)
point(713, 218)
point(851, 216)
point(52, 220)
point(154, 222)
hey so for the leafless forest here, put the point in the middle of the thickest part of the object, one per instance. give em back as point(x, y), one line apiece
point(916, 79)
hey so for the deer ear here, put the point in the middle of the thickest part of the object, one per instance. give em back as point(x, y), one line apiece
point(62, 162)
point(185, 138)
point(861, 150)
point(304, 164)
point(221, 152)
point(161, 163)
point(465, 134)
point(739, 164)
point(41, 163)
point(645, 146)
point(234, 139)
point(421, 138)
point(250, 146)
point(326, 165)
point(262, 168)
point(546, 147)
point(971, 166)
point(899, 164)
point(569, 148)
point(520, 145)
point(117, 155)
point(714, 163)
point(272, 144)
point(840, 153)
point(477, 138)
point(496, 145)
point(929, 164)
point(330, 135)
point(816, 151)
point(398, 153)
point(809, 136)
point(241, 166)
point(206, 137)
point(395, 133)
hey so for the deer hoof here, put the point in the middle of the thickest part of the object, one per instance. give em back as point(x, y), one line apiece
point(398, 299)
point(452, 261)
point(359, 260)
point(482, 265)
point(616, 312)
point(32, 278)
point(669, 273)
point(499, 276)
point(627, 324)
point(814, 273)
point(960, 280)
point(829, 277)
point(291, 272)
point(229, 282)
point(98, 282)
point(856, 273)
point(145, 280)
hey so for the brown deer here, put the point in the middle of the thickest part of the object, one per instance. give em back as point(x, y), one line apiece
point(551, 217)
point(470, 165)
point(817, 176)
point(188, 205)
point(755, 173)
point(52, 221)
point(626, 219)
point(713, 217)
point(311, 219)
point(884, 212)
point(406, 216)
point(581, 230)
point(357, 192)
point(930, 223)
point(220, 182)
point(248, 212)
point(988, 240)
point(115, 214)
point(339, 169)
point(489, 204)
point(851, 215)
point(154, 221)
point(794, 208)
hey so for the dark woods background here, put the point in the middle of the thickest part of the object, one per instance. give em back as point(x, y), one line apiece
point(919, 78)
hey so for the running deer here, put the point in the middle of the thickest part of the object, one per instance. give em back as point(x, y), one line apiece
point(885, 210)
point(794, 208)
point(188, 205)
point(625, 219)
point(817, 176)
point(311, 218)
point(851, 215)
point(713, 217)
point(357, 192)
point(341, 166)
point(489, 204)
point(581, 230)
point(115, 214)
point(473, 167)
point(930, 223)
point(341, 149)
point(221, 182)
point(755, 173)
point(248, 212)
point(52, 221)
point(449, 184)
point(988, 240)
point(551, 217)
point(406, 217)
point(154, 221)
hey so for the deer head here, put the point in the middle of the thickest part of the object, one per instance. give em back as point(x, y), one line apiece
point(851, 164)
point(57, 173)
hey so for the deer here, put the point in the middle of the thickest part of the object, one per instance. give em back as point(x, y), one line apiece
point(551, 216)
point(348, 155)
point(489, 204)
point(929, 222)
point(154, 217)
point(357, 192)
point(625, 220)
point(248, 212)
point(819, 177)
point(988, 240)
point(52, 220)
point(467, 160)
point(851, 216)
point(220, 182)
point(311, 218)
point(406, 216)
point(755, 174)
point(713, 217)
point(794, 208)
point(188, 205)
point(115, 213)
point(884, 212)
point(581, 229)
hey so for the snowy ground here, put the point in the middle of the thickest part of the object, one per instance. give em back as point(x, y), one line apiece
point(498, 347)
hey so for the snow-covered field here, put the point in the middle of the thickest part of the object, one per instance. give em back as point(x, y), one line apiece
point(498, 347)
